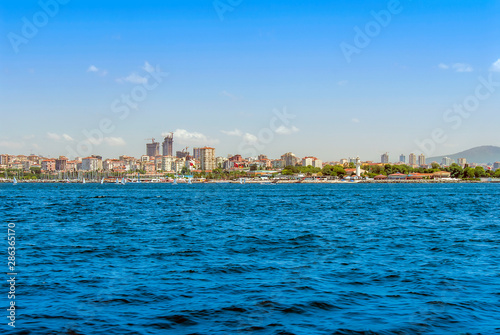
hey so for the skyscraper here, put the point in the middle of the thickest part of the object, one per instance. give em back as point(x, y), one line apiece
point(153, 148)
point(196, 153)
point(385, 158)
point(402, 158)
point(168, 145)
point(421, 160)
point(207, 158)
point(412, 159)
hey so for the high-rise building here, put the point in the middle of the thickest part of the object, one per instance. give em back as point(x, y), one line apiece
point(412, 159)
point(207, 158)
point(196, 153)
point(168, 145)
point(290, 159)
point(61, 163)
point(181, 154)
point(421, 159)
point(402, 158)
point(496, 165)
point(462, 162)
point(384, 158)
point(446, 161)
point(153, 148)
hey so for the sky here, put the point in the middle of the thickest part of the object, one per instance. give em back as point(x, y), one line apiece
point(330, 79)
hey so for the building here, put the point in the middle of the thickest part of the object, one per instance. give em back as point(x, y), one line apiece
point(90, 164)
point(446, 161)
point(219, 161)
point(290, 159)
point(384, 158)
point(167, 163)
point(168, 145)
point(462, 162)
point(61, 163)
point(412, 159)
point(153, 148)
point(421, 160)
point(4, 159)
point(402, 158)
point(496, 166)
point(343, 161)
point(196, 153)
point(49, 165)
point(313, 161)
point(207, 158)
point(181, 154)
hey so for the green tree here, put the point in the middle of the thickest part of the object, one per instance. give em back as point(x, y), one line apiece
point(479, 172)
point(469, 173)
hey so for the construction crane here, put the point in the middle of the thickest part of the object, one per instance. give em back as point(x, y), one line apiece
point(152, 139)
point(185, 149)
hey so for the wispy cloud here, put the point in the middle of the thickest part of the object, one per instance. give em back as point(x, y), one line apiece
point(192, 138)
point(250, 138)
point(11, 144)
point(457, 67)
point(95, 69)
point(495, 66)
point(115, 141)
point(133, 78)
point(57, 137)
point(229, 95)
point(355, 120)
point(235, 132)
point(282, 130)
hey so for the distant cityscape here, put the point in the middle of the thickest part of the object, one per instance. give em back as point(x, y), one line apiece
point(204, 159)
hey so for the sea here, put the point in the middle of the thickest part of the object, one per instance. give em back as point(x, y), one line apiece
point(252, 259)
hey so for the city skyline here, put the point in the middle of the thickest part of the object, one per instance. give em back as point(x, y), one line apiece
point(231, 76)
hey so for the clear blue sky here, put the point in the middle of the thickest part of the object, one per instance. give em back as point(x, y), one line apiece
point(226, 76)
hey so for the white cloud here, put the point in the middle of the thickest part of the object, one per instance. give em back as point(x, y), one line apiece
point(28, 137)
point(95, 69)
point(495, 66)
point(53, 136)
point(250, 138)
point(235, 132)
point(67, 137)
point(355, 120)
point(443, 66)
point(282, 130)
point(462, 67)
point(229, 95)
point(148, 67)
point(11, 145)
point(114, 141)
point(193, 138)
point(133, 78)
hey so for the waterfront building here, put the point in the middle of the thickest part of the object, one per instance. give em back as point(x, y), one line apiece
point(313, 161)
point(49, 165)
point(412, 159)
point(4, 159)
point(168, 145)
point(290, 159)
point(196, 153)
point(384, 159)
point(61, 163)
point(462, 162)
point(402, 158)
point(207, 158)
point(167, 163)
point(90, 164)
point(421, 160)
point(149, 167)
point(219, 161)
point(153, 148)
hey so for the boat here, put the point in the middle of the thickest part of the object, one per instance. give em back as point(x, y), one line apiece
point(189, 181)
point(102, 181)
point(124, 181)
point(243, 181)
point(83, 181)
point(14, 182)
point(117, 182)
point(175, 181)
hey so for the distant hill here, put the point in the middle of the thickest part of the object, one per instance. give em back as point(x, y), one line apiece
point(481, 155)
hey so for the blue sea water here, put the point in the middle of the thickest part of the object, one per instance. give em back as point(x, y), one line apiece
point(254, 259)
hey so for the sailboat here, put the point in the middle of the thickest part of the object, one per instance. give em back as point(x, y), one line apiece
point(14, 182)
point(138, 177)
point(189, 181)
point(123, 181)
point(175, 181)
point(102, 181)
point(83, 181)
point(242, 181)
point(117, 182)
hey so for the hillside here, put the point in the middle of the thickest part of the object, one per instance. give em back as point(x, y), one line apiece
point(481, 155)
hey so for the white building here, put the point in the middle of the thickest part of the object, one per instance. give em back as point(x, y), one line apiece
point(90, 164)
